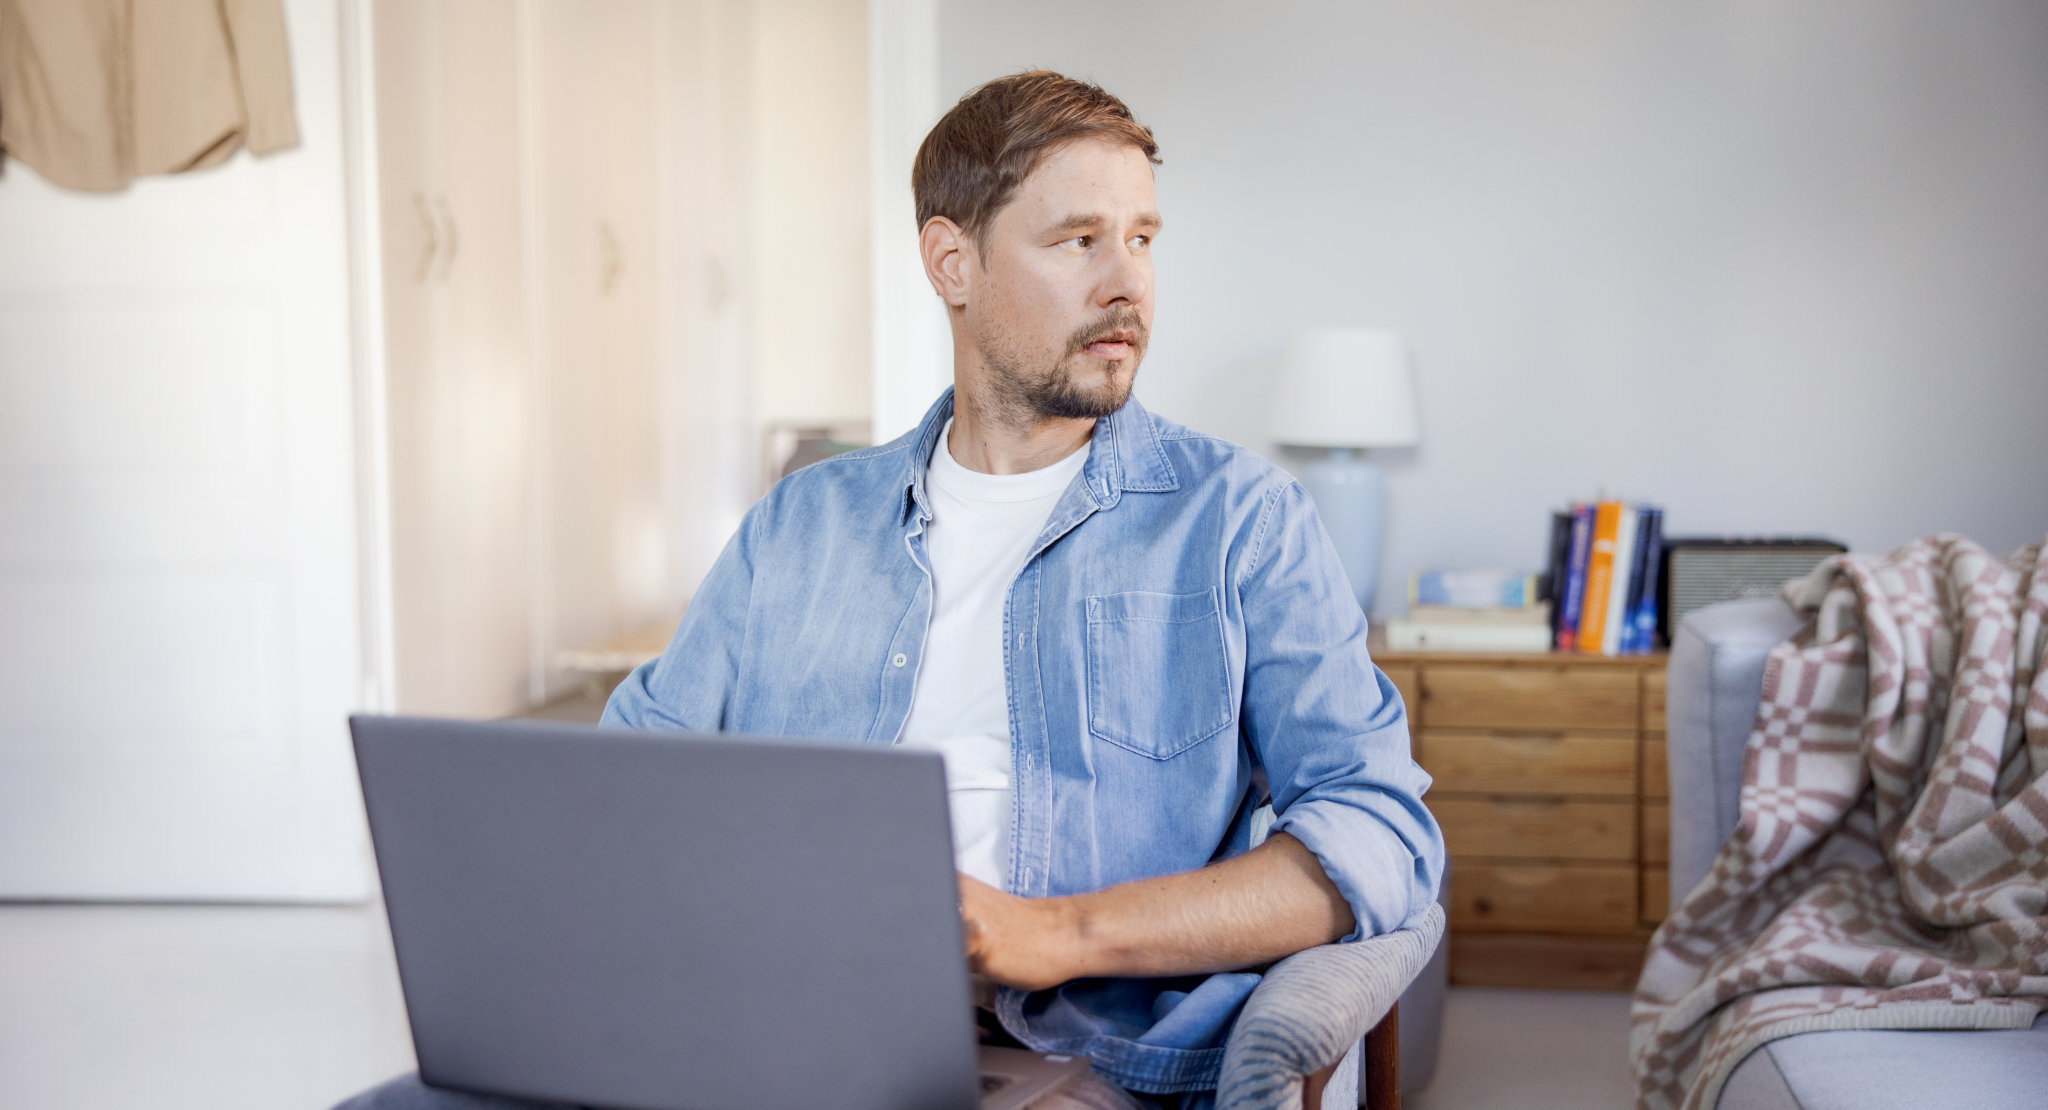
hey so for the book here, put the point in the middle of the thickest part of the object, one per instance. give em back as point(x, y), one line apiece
point(1537, 614)
point(1554, 565)
point(1644, 614)
point(1599, 578)
point(1413, 635)
point(1574, 576)
point(1617, 585)
point(1633, 598)
point(1474, 589)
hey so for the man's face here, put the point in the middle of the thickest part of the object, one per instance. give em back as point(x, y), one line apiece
point(1060, 305)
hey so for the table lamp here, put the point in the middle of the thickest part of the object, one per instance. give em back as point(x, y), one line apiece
point(1347, 389)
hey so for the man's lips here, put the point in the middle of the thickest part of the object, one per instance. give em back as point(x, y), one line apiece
point(1113, 346)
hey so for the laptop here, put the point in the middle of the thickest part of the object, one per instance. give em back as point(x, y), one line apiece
point(666, 921)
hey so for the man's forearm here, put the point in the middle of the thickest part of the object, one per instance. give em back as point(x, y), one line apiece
point(1270, 902)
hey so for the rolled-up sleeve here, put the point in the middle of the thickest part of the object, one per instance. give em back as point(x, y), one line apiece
point(1328, 727)
point(691, 685)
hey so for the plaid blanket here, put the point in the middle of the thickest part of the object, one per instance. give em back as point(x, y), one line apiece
point(1890, 866)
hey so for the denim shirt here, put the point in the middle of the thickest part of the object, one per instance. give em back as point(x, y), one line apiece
point(1180, 648)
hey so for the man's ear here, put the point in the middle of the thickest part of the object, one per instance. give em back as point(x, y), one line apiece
point(949, 260)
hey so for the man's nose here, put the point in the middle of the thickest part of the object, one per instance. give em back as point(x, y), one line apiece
point(1128, 279)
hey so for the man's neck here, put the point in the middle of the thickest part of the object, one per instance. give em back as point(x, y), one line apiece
point(994, 442)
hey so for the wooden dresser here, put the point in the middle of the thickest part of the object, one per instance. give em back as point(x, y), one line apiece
point(1550, 786)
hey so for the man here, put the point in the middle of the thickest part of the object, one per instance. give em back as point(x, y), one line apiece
point(1123, 636)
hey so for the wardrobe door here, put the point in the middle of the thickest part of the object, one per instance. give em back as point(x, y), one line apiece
point(409, 127)
point(484, 446)
point(458, 370)
point(596, 143)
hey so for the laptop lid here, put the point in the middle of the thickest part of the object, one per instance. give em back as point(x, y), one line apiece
point(670, 922)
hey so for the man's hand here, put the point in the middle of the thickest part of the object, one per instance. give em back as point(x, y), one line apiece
point(1270, 902)
point(1018, 942)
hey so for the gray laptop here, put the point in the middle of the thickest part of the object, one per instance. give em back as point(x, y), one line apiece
point(661, 921)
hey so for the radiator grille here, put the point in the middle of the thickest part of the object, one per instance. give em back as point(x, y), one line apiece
point(1699, 576)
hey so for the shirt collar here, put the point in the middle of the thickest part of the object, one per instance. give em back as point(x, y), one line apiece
point(1123, 456)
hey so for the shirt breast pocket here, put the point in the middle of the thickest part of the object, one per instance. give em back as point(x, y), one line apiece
point(1158, 680)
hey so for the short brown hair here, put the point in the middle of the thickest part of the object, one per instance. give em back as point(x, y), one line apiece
point(979, 152)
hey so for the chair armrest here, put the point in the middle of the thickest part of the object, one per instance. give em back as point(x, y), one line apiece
point(1313, 1007)
point(1716, 676)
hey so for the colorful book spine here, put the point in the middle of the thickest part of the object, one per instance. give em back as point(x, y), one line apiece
point(1599, 578)
point(1553, 569)
point(1569, 602)
point(1617, 584)
point(1631, 641)
point(1652, 563)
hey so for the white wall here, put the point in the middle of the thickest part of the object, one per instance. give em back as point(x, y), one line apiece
point(1782, 268)
point(912, 342)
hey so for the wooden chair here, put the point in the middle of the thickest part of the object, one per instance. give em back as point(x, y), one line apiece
point(1321, 1017)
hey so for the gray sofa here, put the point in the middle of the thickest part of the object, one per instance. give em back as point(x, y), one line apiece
point(1716, 677)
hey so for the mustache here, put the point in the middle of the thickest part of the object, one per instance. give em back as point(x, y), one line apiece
point(1115, 320)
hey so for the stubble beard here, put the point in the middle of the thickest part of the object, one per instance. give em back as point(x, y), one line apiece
point(1026, 396)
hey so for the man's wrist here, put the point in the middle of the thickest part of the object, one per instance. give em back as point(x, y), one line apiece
point(1074, 930)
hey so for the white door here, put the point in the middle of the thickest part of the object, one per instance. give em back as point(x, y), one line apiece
point(178, 592)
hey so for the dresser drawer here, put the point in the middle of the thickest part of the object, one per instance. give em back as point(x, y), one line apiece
point(1656, 771)
point(1566, 898)
point(1656, 832)
point(1529, 763)
point(1536, 697)
point(1656, 895)
point(1537, 828)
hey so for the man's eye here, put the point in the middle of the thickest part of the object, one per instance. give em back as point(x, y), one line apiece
point(1080, 241)
point(1140, 241)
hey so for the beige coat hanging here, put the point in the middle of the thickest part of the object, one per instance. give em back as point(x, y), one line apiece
point(94, 93)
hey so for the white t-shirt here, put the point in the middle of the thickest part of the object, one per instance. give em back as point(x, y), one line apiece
point(981, 531)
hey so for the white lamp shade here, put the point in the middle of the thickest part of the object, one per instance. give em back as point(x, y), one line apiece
point(1345, 387)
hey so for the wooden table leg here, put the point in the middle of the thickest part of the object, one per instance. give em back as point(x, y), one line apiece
point(1381, 1081)
point(1312, 1087)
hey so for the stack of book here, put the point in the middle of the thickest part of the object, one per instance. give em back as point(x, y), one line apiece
point(1604, 561)
point(1473, 610)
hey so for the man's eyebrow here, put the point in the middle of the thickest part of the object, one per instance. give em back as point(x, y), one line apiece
point(1082, 221)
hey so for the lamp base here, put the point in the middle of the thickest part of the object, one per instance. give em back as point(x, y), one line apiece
point(1350, 495)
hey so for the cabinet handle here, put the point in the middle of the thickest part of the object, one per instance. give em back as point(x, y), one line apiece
point(428, 229)
point(611, 259)
point(716, 286)
point(449, 233)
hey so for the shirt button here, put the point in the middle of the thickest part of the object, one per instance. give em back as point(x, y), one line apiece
point(900, 659)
